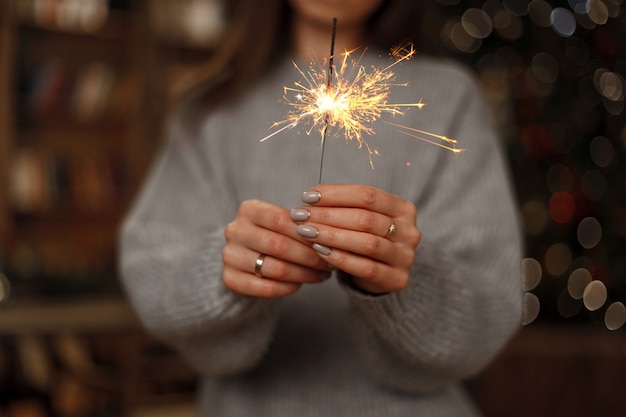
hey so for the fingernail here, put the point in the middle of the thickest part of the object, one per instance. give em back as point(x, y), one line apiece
point(311, 197)
point(324, 250)
point(299, 215)
point(307, 231)
point(325, 276)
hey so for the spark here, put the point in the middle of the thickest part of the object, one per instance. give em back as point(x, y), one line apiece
point(406, 130)
point(350, 99)
point(402, 52)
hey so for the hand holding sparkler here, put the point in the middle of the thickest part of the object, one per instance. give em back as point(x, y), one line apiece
point(363, 231)
point(286, 262)
point(366, 232)
point(353, 227)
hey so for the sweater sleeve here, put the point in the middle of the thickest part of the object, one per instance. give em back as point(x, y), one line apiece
point(171, 267)
point(464, 298)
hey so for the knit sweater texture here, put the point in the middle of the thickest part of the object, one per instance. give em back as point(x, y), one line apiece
point(330, 350)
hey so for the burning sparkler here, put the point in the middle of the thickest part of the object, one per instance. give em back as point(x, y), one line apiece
point(351, 100)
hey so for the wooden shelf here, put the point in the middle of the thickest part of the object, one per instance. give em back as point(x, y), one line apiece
point(80, 315)
point(73, 127)
point(77, 132)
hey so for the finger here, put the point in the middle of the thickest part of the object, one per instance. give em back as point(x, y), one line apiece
point(349, 218)
point(278, 245)
point(248, 284)
point(270, 267)
point(359, 196)
point(267, 216)
point(364, 244)
point(368, 274)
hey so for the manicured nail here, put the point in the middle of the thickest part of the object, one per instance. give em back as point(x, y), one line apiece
point(299, 215)
point(324, 250)
point(311, 197)
point(307, 231)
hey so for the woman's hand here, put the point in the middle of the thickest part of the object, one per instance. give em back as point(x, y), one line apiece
point(261, 228)
point(363, 231)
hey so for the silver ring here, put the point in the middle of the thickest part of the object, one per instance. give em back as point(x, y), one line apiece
point(392, 229)
point(258, 264)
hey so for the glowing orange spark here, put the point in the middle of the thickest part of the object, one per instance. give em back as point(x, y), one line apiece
point(443, 138)
point(402, 52)
point(355, 99)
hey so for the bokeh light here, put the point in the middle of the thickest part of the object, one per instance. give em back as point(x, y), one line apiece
point(508, 26)
point(540, 11)
point(534, 217)
point(578, 6)
point(531, 308)
point(476, 23)
point(462, 40)
point(589, 232)
point(595, 295)
point(615, 316)
point(531, 273)
point(609, 84)
point(577, 282)
point(601, 151)
point(563, 22)
point(558, 258)
point(562, 207)
point(597, 11)
point(545, 67)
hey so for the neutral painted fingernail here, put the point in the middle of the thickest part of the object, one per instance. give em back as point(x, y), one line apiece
point(299, 215)
point(311, 197)
point(324, 250)
point(307, 231)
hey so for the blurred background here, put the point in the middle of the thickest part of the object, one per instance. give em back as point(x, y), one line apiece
point(82, 92)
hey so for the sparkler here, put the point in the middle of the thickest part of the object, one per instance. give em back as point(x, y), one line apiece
point(351, 100)
point(329, 84)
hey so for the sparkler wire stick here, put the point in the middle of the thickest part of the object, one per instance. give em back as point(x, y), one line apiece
point(329, 84)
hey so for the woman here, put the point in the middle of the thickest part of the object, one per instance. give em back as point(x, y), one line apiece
point(217, 264)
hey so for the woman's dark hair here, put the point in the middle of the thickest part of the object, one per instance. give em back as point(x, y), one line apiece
point(259, 31)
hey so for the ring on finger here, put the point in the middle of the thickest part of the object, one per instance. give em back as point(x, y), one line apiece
point(258, 264)
point(391, 230)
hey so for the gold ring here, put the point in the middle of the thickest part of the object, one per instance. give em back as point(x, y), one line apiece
point(392, 229)
point(258, 264)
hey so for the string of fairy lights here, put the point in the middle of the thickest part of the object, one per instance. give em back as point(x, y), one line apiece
point(555, 72)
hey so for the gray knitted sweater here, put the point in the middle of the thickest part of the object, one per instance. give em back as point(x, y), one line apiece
point(329, 350)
